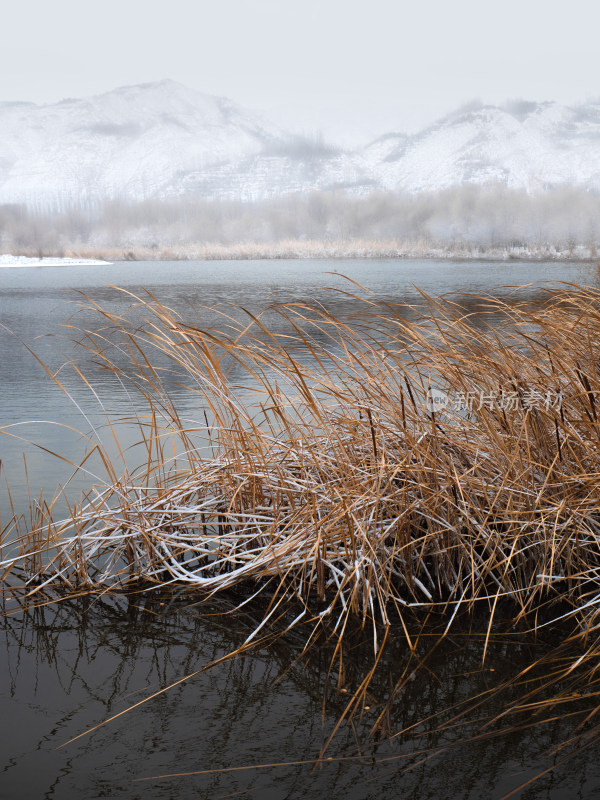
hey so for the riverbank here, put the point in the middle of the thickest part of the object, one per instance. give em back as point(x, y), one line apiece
point(315, 249)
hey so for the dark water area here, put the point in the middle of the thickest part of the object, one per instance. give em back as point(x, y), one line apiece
point(67, 667)
point(70, 666)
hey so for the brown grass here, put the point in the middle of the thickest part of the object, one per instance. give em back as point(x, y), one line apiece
point(336, 486)
point(321, 482)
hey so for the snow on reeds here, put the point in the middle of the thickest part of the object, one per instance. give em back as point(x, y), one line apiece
point(332, 249)
point(329, 487)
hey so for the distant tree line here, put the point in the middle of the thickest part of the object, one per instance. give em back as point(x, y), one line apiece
point(467, 217)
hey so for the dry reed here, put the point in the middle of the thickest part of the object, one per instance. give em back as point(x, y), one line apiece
point(336, 487)
point(320, 481)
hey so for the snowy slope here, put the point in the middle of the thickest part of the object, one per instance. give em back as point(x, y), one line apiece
point(165, 140)
point(527, 145)
point(130, 142)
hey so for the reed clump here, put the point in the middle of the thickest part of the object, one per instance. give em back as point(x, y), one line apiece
point(352, 470)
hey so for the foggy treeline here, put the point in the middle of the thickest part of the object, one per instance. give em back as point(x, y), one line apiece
point(466, 218)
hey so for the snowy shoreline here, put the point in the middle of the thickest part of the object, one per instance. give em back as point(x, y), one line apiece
point(313, 249)
point(8, 261)
point(344, 249)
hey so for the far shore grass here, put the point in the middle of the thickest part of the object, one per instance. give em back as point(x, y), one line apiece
point(318, 249)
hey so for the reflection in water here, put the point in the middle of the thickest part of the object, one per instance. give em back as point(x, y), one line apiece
point(74, 664)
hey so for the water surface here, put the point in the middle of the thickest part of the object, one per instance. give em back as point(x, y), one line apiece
point(71, 666)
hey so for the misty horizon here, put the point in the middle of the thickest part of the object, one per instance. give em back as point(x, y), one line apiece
point(344, 68)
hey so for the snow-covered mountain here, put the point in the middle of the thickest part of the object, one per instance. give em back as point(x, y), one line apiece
point(527, 145)
point(165, 140)
point(133, 142)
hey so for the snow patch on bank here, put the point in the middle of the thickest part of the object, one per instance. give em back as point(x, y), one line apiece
point(24, 261)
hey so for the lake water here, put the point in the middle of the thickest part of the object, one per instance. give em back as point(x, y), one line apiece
point(66, 668)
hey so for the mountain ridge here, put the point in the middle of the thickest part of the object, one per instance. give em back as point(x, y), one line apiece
point(164, 140)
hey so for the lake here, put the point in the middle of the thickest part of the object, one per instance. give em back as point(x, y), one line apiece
point(69, 666)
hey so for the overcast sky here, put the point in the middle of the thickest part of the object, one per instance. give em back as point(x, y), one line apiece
point(342, 66)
